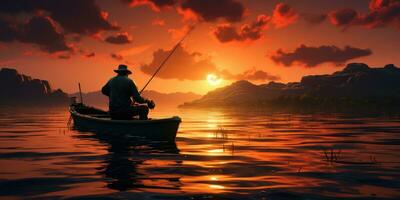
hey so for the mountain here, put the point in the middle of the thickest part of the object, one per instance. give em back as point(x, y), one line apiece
point(19, 89)
point(162, 99)
point(356, 86)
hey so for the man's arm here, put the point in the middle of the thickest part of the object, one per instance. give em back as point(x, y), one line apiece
point(106, 89)
point(136, 95)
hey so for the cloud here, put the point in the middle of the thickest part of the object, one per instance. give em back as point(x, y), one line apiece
point(64, 56)
point(248, 32)
point(381, 13)
point(284, 15)
point(38, 30)
point(212, 10)
point(76, 16)
point(117, 56)
point(251, 75)
point(378, 4)
point(182, 65)
point(8, 31)
point(41, 31)
point(156, 5)
point(344, 17)
point(120, 38)
point(227, 33)
point(314, 56)
point(89, 55)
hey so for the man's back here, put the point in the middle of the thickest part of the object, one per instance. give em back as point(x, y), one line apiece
point(120, 89)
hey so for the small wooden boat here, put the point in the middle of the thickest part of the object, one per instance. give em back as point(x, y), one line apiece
point(98, 120)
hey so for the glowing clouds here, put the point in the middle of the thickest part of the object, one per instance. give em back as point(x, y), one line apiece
point(156, 5)
point(382, 13)
point(248, 32)
point(284, 15)
point(182, 65)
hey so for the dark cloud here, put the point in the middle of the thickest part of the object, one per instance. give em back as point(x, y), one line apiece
point(120, 38)
point(251, 75)
point(212, 10)
point(76, 16)
point(38, 30)
point(381, 13)
point(248, 32)
point(284, 15)
point(344, 17)
point(182, 65)
point(227, 33)
point(41, 31)
point(8, 31)
point(46, 22)
point(116, 56)
point(313, 56)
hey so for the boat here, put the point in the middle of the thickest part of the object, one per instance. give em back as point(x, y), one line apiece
point(97, 120)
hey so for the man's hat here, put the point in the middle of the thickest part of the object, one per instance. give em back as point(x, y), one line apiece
point(123, 69)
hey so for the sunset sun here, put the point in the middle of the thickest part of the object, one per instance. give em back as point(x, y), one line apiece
point(213, 79)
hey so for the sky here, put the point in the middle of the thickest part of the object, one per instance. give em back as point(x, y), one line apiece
point(71, 41)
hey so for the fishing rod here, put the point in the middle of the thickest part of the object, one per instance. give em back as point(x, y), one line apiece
point(165, 60)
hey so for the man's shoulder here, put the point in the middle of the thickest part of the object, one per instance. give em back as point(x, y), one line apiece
point(121, 78)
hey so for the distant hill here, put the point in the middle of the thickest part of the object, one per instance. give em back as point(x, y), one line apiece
point(19, 89)
point(161, 99)
point(357, 86)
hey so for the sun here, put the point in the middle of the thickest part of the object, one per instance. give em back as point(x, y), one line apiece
point(213, 79)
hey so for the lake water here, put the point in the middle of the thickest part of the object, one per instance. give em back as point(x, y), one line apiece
point(217, 155)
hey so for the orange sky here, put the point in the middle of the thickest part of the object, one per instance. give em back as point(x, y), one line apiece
point(151, 27)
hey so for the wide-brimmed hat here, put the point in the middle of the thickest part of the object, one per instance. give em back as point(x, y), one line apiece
point(122, 69)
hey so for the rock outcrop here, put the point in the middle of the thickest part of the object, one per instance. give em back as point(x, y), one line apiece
point(19, 89)
point(356, 84)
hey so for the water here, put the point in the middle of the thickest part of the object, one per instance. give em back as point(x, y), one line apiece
point(217, 155)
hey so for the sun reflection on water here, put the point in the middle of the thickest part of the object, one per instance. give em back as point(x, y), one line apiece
point(215, 153)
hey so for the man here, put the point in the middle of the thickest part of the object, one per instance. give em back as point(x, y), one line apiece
point(120, 90)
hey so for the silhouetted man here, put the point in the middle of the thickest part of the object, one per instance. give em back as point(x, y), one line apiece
point(120, 91)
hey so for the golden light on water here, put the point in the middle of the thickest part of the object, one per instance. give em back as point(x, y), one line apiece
point(216, 187)
point(213, 79)
point(213, 178)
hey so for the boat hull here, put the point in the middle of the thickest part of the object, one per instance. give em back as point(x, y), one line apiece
point(155, 129)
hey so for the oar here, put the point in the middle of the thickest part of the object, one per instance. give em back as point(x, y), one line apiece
point(165, 60)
